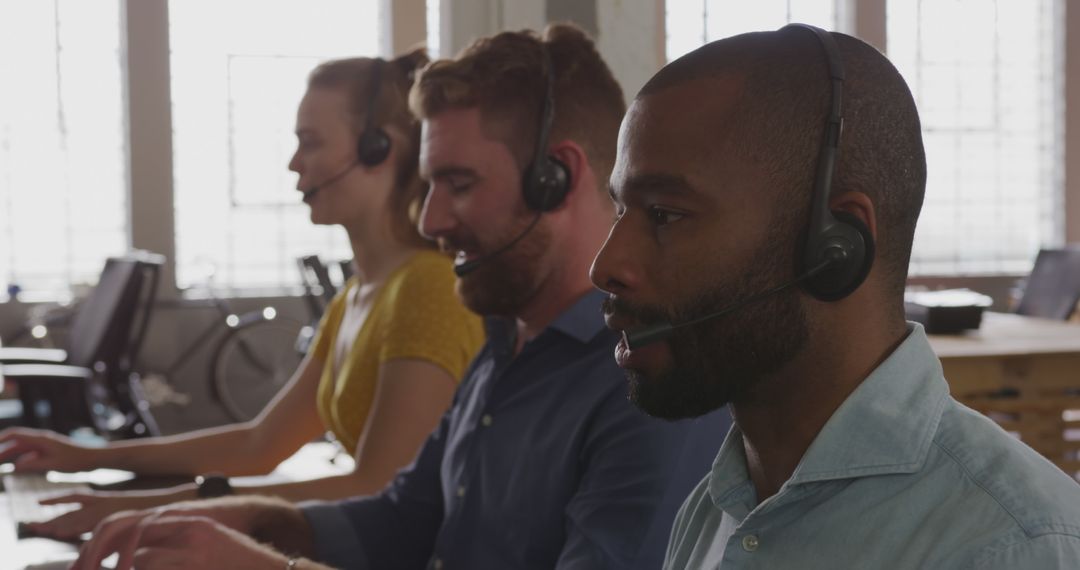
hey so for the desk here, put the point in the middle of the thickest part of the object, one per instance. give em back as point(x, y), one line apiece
point(1025, 374)
point(312, 461)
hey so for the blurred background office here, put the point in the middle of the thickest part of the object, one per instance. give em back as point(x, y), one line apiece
point(166, 126)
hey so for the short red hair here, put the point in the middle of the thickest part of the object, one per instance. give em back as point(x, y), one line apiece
point(504, 77)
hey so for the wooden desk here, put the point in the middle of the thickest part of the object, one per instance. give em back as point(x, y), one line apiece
point(1025, 374)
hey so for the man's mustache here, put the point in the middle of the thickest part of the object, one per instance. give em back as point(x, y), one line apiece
point(642, 315)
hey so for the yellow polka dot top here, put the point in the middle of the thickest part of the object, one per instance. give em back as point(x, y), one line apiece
point(415, 314)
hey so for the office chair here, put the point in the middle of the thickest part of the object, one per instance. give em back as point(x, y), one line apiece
point(91, 383)
point(1053, 288)
point(347, 269)
point(319, 289)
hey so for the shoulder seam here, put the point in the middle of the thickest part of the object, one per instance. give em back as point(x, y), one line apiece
point(967, 473)
point(979, 484)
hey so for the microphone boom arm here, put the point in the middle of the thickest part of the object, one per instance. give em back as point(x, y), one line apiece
point(660, 331)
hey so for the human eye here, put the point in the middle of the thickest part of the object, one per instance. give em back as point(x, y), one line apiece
point(660, 216)
point(307, 143)
point(459, 187)
point(458, 184)
point(452, 186)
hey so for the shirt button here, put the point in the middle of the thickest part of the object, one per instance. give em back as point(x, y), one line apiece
point(461, 491)
point(437, 564)
point(750, 543)
point(486, 420)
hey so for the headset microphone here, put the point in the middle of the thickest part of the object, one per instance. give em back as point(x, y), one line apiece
point(660, 331)
point(313, 189)
point(839, 249)
point(545, 180)
point(373, 145)
point(467, 267)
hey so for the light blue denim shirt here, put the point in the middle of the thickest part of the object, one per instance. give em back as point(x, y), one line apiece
point(901, 476)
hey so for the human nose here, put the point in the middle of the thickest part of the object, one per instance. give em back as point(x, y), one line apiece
point(436, 217)
point(294, 162)
point(616, 269)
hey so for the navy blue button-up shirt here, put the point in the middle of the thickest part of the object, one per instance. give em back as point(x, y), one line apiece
point(541, 462)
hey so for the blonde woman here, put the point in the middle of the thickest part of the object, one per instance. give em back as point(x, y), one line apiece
point(389, 351)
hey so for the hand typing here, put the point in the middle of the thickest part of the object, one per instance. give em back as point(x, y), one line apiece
point(38, 450)
point(200, 534)
point(95, 506)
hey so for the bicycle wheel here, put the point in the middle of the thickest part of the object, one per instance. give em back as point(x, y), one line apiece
point(252, 364)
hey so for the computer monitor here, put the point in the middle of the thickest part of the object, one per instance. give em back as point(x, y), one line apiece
point(1053, 288)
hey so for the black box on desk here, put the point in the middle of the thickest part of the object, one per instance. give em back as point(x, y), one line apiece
point(949, 311)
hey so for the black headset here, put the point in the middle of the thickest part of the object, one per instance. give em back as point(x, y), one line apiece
point(374, 145)
point(839, 249)
point(546, 180)
point(837, 239)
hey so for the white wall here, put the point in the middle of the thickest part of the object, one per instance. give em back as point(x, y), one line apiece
point(631, 39)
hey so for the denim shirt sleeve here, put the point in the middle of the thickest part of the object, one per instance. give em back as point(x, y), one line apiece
point(621, 514)
point(394, 529)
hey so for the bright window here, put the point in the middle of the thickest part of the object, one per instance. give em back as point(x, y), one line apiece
point(434, 27)
point(62, 147)
point(990, 109)
point(694, 23)
point(239, 69)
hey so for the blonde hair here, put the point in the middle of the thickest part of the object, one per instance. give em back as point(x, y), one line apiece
point(353, 75)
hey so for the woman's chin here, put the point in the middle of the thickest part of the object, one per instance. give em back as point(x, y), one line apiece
point(321, 218)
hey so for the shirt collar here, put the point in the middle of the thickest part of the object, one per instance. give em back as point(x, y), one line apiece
point(729, 481)
point(885, 426)
point(888, 423)
point(582, 321)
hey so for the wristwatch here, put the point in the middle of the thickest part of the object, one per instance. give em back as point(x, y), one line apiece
point(213, 485)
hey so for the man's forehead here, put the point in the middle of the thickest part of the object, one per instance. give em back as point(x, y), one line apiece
point(703, 102)
point(651, 183)
point(448, 123)
point(679, 120)
point(455, 140)
point(676, 138)
point(441, 136)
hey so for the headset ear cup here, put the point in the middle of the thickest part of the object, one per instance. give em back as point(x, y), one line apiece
point(546, 184)
point(838, 282)
point(869, 251)
point(373, 147)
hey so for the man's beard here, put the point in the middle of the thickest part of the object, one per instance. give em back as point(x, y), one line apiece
point(719, 360)
point(501, 285)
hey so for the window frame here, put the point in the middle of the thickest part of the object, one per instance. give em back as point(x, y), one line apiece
point(867, 20)
point(148, 125)
point(148, 120)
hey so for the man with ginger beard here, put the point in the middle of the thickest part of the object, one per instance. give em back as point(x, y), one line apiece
point(742, 269)
point(540, 462)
